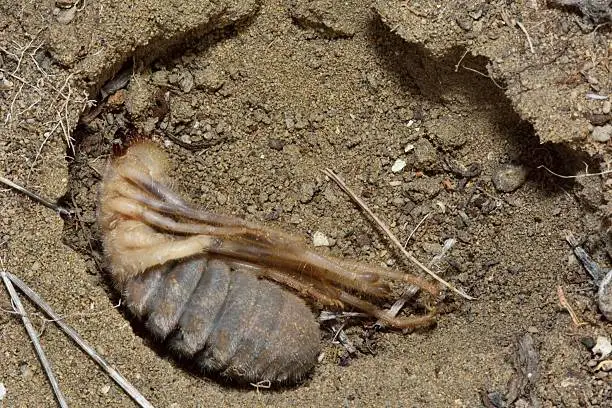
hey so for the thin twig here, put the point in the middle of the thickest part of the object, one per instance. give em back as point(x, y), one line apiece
point(596, 272)
point(339, 334)
point(484, 75)
point(577, 176)
point(563, 301)
point(20, 79)
point(327, 315)
point(524, 30)
point(416, 228)
point(413, 289)
point(88, 349)
point(460, 60)
point(448, 245)
point(330, 173)
point(57, 208)
point(410, 292)
point(35, 342)
point(265, 384)
point(42, 145)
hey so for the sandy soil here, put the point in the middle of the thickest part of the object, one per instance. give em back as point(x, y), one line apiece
point(251, 113)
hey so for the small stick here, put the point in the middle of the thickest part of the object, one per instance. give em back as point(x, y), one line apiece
point(114, 374)
point(35, 342)
point(330, 173)
point(484, 75)
point(413, 289)
point(326, 315)
point(265, 384)
point(448, 245)
point(575, 177)
point(596, 272)
point(58, 209)
point(564, 303)
point(343, 338)
point(524, 30)
point(416, 228)
point(460, 60)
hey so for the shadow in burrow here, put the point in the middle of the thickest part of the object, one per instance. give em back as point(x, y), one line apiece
point(444, 82)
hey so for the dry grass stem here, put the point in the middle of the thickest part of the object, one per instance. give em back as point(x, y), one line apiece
point(565, 304)
point(88, 349)
point(416, 228)
point(595, 271)
point(342, 338)
point(601, 173)
point(34, 337)
point(58, 209)
point(413, 289)
point(330, 173)
point(327, 315)
point(460, 61)
point(524, 30)
point(484, 75)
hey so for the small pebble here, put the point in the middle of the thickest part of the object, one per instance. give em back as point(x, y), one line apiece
point(425, 155)
point(2, 391)
point(605, 296)
point(607, 107)
point(116, 100)
point(398, 166)
point(5, 84)
point(221, 198)
point(588, 342)
point(601, 133)
point(105, 389)
point(464, 22)
point(602, 348)
point(208, 79)
point(319, 239)
point(509, 177)
point(592, 363)
point(25, 370)
point(604, 366)
point(65, 16)
point(276, 144)
point(186, 82)
point(307, 192)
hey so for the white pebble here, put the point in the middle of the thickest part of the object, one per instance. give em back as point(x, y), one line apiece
point(2, 391)
point(398, 166)
point(319, 239)
point(105, 389)
point(5, 84)
point(603, 348)
point(601, 133)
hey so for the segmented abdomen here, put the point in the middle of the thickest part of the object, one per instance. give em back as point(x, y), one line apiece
point(227, 321)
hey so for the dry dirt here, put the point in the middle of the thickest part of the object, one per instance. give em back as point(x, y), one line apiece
point(252, 101)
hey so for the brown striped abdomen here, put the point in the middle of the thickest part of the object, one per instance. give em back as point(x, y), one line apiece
point(226, 321)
